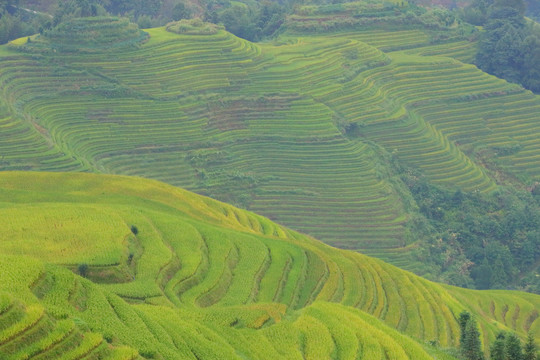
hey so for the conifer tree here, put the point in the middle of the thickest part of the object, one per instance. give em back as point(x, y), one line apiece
point(471, 347)
point(530, 349)
point(513, 348)
point(470, 337)
point(464, 317)
point(497, 348)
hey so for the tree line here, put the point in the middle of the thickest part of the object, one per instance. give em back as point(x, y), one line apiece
point(16, 22)
point(254, 20)
point(509, 46)
point(476, 240)
point(507, 346)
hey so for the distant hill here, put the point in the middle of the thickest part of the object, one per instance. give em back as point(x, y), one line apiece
point(170, 274)
point(327, 130)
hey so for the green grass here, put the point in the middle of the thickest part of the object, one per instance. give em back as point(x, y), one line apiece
point(208, 280)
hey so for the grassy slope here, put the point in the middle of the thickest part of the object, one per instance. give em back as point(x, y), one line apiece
point(202, 278)
point(261, 125)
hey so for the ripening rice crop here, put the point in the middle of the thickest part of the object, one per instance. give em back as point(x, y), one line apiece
point(204, 283)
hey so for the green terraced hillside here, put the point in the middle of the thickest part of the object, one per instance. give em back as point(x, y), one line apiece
point(294, 129)
point(189, 277)
point(28, 331)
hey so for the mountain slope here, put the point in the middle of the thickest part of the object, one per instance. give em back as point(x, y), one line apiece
point(217, 279)
point(305, 130)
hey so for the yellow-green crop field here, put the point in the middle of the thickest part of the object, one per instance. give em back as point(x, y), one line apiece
point(201, 279)
point(264, 125)
point(52, 233)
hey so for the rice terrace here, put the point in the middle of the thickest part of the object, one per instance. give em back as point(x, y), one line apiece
point(269, 180)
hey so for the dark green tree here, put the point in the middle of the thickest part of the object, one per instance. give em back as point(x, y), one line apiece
point(518, 5)
point(482, 275)
point(507, 64)
point(145, 7)
point(12, 27)
point(180, 11)
point(476, 12)
point(508, 48)
point(470, 344)
point(83, 269)
point(271, 16)
point(513, 348)
point(463, 319)
point(8, 5)
point(498, 276)
point(120, 7)
point(471, 348)
point(76, 8)
point(530, 71)
point(499, 49)
point(497, 348)
point(529, 350)
point(239, 20)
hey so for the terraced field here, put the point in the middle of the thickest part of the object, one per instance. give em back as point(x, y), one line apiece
point(293, 129)
point(23, 147)
point(207, 280)
point(219, 143)
point(27, 331)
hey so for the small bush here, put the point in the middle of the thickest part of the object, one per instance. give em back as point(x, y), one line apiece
point(147, 353)
point(83, 270)
point(108, 337)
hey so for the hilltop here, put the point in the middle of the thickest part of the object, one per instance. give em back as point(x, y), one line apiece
point(171, 274)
